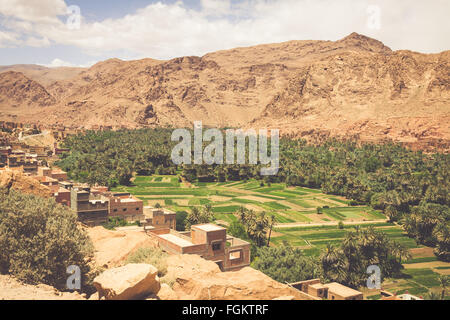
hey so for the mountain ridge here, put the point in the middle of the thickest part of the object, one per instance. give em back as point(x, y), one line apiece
point(354, 87)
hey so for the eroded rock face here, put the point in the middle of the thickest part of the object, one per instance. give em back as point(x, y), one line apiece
point(18, 181)
point(113, 247)
point(130, 282)
point(199, 279)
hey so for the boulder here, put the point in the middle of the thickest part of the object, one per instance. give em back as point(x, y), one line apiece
point(285, 298)
point(167, 293)
point(132, 281)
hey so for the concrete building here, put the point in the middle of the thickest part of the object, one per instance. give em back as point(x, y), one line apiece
point(62, 196)
point(54, 173)
point(124, 205)
point(18, 159)
point(337, 291)
point(159, 218)
point(330, 291)
point(49, 182)
point(210, 241)
point(92, 210)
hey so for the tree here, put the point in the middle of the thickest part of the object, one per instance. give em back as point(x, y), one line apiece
point(359, 249)
point(286, 264)
point(256, 225)
point(40, 239)
point(443, 282)
point(198, 216)
point(272, 222)
point(236, 229)
point(442, 235)
point(181, 220)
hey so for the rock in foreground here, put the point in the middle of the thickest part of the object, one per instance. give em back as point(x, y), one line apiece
point(130, 282)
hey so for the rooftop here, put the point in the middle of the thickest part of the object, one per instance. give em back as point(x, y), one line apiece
point(341, 289)
point(129, 200)
point(317, 286)
point(177, 240)
point(209, 227)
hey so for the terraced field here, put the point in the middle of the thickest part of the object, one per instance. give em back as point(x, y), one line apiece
point(287, 204)
point(313, 239)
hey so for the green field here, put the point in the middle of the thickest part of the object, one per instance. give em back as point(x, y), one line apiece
point(287, 204)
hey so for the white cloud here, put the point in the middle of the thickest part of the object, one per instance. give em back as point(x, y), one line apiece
point(43, 11)
point(61, 63)
point(8, 39)
point(216, 7)
point(169, 30)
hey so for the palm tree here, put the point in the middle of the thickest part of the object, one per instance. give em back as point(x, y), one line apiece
point(443, 282)
point(432, 296)
point(272, 221)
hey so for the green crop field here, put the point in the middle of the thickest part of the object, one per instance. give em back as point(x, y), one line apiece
point(287, 204)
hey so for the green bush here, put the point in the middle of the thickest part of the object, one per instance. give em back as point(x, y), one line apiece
point(154, 256)
point(286, 264)
point(115, 222)
point(39, 239)
point(181, 220)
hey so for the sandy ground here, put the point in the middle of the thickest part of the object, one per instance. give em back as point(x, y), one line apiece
point(12, 289)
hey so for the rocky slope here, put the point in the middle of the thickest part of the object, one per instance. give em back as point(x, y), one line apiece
point(18, 181)
point(12, 289)
point(354, 87)
point(189, 275)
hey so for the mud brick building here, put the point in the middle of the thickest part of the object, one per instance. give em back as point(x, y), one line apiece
point(62, 196)
point(124, 205)
point(210, 241)
point(330, 291)
point(92, 209)
point(159, 218)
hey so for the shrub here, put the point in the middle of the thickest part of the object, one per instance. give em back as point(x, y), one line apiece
point(39, 239)
point(286, 264)
point(341, 225)
point(154, 256)
point(115, 222)
point(181, 220)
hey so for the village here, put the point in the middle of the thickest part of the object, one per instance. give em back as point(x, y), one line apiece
point(95, 205)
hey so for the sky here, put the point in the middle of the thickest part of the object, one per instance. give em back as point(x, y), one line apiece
point(82, 32)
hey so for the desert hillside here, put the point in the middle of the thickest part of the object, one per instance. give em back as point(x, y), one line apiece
point(354, 87)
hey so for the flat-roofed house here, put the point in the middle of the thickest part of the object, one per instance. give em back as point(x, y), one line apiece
point(92, 209)
point(125, 205)
point(62, 196)
point(208, 240)
point(159, 218)
point(337, 291)
point(330, 291)
point(51, 183)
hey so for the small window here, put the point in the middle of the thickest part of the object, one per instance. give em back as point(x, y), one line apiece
point(124, 209)
point(115, 210)
point(137, 209)
point(216, 246)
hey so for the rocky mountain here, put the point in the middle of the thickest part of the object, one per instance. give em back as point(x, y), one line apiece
point(355, 87)
point(16, 90)
point(43, 75)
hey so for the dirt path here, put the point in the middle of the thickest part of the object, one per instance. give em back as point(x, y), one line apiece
point(331, 223)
